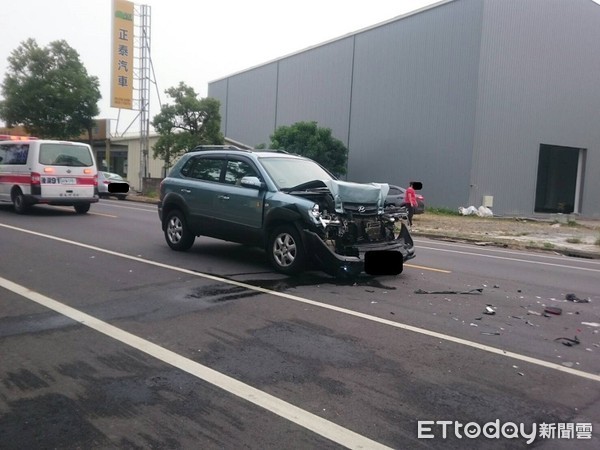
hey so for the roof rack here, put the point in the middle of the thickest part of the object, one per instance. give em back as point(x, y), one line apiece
point(215, 147)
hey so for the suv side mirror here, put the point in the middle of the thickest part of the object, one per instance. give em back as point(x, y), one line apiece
point(252, 182)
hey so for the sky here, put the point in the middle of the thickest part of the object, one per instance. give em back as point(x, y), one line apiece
point(192, 41)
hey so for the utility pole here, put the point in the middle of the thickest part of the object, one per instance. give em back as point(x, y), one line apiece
point(144, 80)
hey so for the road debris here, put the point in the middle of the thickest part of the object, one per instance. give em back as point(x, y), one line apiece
point(568, 342)
point(489, 311)
point(591, 324)
point(553, 310)
point(522, 318)
point(575, 299)
point(472, 291)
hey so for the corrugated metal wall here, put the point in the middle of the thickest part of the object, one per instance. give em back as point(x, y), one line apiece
point(413, 101)
point(459, 96)
point(539, 83)
point(317, 85)
point(250, 105)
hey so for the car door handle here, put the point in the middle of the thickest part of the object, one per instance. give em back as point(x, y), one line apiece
point(223, 197)
point(186, 191)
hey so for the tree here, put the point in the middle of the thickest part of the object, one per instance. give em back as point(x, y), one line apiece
point(306, 139)
point(49, 92)
point(188, 122)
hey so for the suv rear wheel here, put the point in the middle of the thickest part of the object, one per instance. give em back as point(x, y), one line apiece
point(285, 250)
point(177, 233)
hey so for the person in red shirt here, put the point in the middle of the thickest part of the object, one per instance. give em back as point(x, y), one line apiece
point(410, 201)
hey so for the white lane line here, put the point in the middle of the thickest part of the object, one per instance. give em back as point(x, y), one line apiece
point(537, 263)
point(311, 422)
point(486, 348)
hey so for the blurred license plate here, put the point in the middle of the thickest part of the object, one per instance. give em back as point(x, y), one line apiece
point(67, 181)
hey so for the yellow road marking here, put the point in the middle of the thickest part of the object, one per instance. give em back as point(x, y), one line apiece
point(105, 215)
point(68, 208)
point(427, 268)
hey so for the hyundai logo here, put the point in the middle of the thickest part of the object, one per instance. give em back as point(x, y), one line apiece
point(361, 209)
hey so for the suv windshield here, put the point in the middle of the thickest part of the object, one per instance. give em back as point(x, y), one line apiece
point(65, 155)
point(290, 172)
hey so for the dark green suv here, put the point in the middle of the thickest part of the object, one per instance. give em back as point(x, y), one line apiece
point(288, 205)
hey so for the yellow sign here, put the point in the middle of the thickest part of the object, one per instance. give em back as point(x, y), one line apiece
point(121, 86)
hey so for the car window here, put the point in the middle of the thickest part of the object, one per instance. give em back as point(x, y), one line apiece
point(65, 155)
point(394, 191)
point(236, 170)
point(206, 169)
point(14, 153)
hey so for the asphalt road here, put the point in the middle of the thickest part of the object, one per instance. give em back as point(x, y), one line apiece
point(109, 339)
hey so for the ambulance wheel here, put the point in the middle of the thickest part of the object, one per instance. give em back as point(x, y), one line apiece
point(82, 208)
point(20, 204)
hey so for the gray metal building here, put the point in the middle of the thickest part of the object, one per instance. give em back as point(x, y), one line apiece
point(491, 102)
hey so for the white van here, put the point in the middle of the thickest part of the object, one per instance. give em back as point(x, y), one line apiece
point(49, 172)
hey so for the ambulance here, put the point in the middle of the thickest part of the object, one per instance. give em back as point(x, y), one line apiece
point(35, 171)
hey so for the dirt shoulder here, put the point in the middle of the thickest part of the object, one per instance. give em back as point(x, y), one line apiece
point(573, 237)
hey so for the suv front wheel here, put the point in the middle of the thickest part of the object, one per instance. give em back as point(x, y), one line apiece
point(178, 235)
point(285, 250)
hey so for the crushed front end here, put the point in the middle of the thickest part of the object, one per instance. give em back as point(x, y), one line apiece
point(351, 232)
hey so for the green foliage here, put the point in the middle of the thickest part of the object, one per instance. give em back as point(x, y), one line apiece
point(48, 91)
point(188, 122)
point(306, 139)
point(442, 211)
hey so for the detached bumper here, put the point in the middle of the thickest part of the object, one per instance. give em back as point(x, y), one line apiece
point(380, 258)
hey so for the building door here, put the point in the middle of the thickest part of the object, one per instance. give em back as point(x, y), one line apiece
point(559, 179)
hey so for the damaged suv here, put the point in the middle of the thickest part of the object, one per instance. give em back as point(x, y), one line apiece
point(288, 205)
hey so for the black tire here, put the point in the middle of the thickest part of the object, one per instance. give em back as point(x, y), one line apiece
point(121, 197)
point(19, 203)
point(285, 250)
point(82, 208)
point(177, 233)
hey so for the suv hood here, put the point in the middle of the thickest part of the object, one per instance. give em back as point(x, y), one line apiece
point(346, 192)
point(351, 192)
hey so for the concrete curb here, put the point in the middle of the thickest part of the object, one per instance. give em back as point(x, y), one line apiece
point(141, 199)
point(516, 245)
